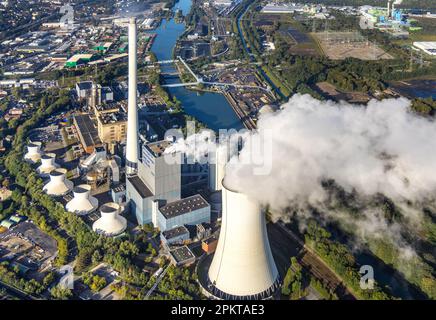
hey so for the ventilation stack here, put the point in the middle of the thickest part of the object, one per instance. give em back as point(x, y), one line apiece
point(48, 164)
point(33, 154)
point(243, 266)
point(82, 203)
point(111, 223)
point(132, 112)
point(58, 184)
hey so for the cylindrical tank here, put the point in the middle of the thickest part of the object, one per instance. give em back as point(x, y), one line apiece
point(243, 266)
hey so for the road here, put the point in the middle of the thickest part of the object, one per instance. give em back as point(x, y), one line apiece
point(158, 280)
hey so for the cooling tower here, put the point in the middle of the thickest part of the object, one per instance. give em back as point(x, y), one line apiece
point(243, 266)
point(83, 202)
point(33, 152)
point(47, 164)
point(110, 223)
point(132, 112)
point(58, 185)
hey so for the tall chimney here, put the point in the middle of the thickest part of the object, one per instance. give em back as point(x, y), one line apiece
point(132, 120)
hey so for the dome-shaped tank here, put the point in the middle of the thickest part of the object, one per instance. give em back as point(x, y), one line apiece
point(243, 266)
point(58, 184)
point(48, 164)
point(33, 154)
point(82, 202)
point(111, 223)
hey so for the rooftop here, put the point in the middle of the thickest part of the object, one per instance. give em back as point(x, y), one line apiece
point(140, 187)
point(182, 254)
point(158, 147)
point(175, 232)
point(87, 129)
point(183, 206)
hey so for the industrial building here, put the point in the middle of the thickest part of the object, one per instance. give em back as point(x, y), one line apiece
point(188, 211)
point(176, 235)
point(156, 180)
point(87, 131)
point(182, 256)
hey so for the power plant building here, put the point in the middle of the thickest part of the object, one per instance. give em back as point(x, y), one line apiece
point(188, 211)
point(156, 180)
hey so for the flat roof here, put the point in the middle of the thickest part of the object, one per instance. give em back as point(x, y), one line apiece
point(158, 147)
point(182, 254)
point(88, 130)
point(140, 187)
point(179, 207)
point(175, 232)
point(85, 85)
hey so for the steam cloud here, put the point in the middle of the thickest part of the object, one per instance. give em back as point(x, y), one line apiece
point(380, 148)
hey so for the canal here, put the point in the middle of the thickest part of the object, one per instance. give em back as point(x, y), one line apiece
point(212, 109)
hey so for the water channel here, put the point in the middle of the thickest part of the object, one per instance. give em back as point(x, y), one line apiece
point(212, 109)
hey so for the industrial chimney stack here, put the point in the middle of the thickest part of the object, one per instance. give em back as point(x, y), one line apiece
point(243, 266)
point(132, 120)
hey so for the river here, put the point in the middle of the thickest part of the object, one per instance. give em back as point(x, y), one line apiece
point(212, 109)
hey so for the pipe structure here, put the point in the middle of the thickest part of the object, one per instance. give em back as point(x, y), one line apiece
point(132, 113)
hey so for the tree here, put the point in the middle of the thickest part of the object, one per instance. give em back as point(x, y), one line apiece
point(61, 293)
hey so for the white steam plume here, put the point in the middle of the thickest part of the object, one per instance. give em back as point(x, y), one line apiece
point(380, 148)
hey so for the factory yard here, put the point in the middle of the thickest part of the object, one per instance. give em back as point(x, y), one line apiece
point(342, 45)
point(27, 245)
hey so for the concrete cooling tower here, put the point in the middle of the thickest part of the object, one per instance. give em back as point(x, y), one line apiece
point(111, 223)
point(243, 266)
point(47, 164)
point(33, 154)
point(83, 202)
point(58, 184)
